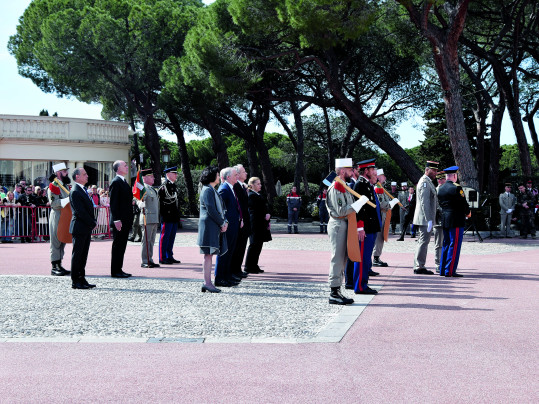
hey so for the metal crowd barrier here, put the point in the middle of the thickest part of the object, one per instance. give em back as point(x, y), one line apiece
point(32, 224)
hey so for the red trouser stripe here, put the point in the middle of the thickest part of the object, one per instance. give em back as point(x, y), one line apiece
point(161, 255)
point(455, 247)
point(361, 249)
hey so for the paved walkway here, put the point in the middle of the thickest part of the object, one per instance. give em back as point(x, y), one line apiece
point(423, 338)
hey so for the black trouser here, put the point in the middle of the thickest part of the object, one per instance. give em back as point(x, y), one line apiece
point(79, 256)
point(118, 248)
point(527, 224)
point(349, 273)
point(253, 254)
point(239, 252)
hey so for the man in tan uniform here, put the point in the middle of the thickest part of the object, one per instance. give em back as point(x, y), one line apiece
point(58, 198)
point(425, 216)
point(339, 203)
point(149, 207)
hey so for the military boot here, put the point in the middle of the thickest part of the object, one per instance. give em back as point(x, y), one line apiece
point(296, 230)
point(325, 229)
point(321, 228)
point(57, 269)
point(377, 262)
point(289, 229)
point(336, 297)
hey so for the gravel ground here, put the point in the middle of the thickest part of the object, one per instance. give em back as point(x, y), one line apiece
point(36, 306)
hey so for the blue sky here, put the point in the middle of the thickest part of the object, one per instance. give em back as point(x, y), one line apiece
point(19, 96)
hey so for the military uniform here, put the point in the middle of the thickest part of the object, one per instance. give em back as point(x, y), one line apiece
point(370, 219)
point(170, 217)
point(438, 233)
point(455, 208)
point(323, 212)
point(508, 202)
point(150, 211)
point(526, 215)
point(293, 200)
point(424, 217)
point(383, 200)
point(58, 198)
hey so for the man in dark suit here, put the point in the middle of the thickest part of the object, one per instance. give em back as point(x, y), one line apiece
point(82, 223)
point(455, 209)
point(121, 217)
point(229, 177)
point(240, 189)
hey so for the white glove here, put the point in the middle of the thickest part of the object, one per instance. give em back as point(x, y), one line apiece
point(393, 202)
point(64, 202)
point(142, 204)
point(509, 210)
point(357, 205)
point(429, 226)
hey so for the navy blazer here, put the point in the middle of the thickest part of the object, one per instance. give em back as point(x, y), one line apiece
point(454, 205)
point(231, 206)
point(121, 202)
point(83, 219)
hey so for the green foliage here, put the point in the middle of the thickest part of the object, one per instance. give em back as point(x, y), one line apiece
point(182, 190)
point(308, 204)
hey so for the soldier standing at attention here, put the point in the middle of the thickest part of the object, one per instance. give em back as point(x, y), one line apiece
point(170, 216)
point(438, 230)
point(455, 209)
point(508, 202)
point(323, 210)
point(149, 219)
point(293, 200)
point(369, 222)
point(425, 216)
point(395, 210)
point(58, 198)
point(525, 208)
point(386, 204)
point(403, 199)
point(339, 203)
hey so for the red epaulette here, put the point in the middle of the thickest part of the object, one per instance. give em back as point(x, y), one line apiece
point(379, 190)
point(54, 189)
point(339, 187)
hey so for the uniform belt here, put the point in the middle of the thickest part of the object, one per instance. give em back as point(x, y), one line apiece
point(338, 217)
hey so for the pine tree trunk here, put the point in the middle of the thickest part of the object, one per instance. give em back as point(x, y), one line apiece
point(151, 141)
point(495, 153)
point(299, 174)
point(218, 145)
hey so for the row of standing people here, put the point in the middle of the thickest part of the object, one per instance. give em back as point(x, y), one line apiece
point(448, 203)
point(229, 217)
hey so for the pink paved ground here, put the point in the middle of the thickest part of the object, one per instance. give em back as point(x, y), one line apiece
point(422, 339)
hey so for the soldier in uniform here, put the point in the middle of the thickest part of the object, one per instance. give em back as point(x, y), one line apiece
point(395, 210)
point(369, 222)
point(438, 230)
point(293, 201)
point(403, 199)
point(339, 203)
point(323, 210)
point(455, 209)
point(149, 219)
point(525, 208)
point(58, 198)
point(386, 204)
point(425, 216)
point(170, 216)
point(508, 202)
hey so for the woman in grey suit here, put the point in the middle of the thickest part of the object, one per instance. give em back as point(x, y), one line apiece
point(211, 224)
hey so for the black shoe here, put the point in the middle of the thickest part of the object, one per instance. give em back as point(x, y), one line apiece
point(423, 271)
point(55, 271)
point(367, 291)
point(131, 239)
point(154, 265)
point(91, 286)
point(413, 236)
point(224, 284)
point(373, 273)
point(173, 261)
point(235, 278)
point(120, 274)
point(145, 266)
point(400, 238)
point(63, 269)
point(253, 271)
point(243, 274)
point(455, 275)
point(377, 262)
point(166, 262)
point(80, 285)
point(211, 290)
point(336, 297)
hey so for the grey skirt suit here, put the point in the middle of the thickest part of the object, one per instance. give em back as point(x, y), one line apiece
point(212, 217)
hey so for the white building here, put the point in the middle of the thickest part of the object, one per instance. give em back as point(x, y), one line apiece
point(30, 145)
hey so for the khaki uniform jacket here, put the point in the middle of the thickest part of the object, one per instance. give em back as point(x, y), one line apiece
point(507, 202)
point(151, 209)
point(427, 202)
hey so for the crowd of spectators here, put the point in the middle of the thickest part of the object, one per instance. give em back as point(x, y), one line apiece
point(24, 200)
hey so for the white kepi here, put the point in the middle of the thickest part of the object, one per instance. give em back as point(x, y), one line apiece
point(343, 163)
point(59, 167)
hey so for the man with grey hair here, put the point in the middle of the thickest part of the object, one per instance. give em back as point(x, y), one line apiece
point(229, 177)
point(240, 189)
